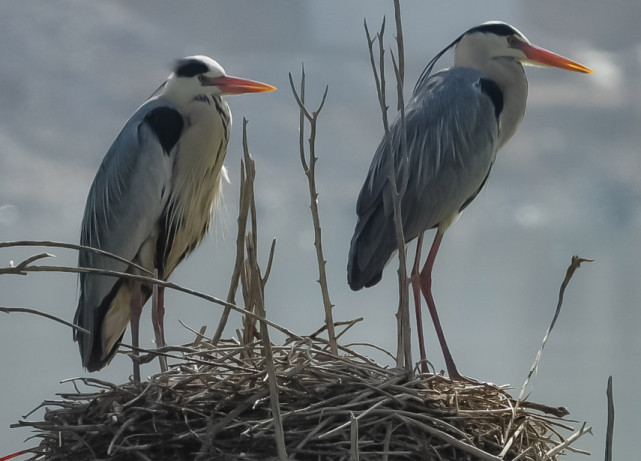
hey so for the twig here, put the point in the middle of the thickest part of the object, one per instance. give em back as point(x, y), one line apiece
point(309, 167)
point(254, 293)
point(403, 356)
point(574, 265)
point(72, 246)
point(403, 306)
point(9, 310)
point(162, 283)
point(570, 440)
point(240, 239)
point(451, 440)
point(400, 69)
point(353, 452)
point(610, 427)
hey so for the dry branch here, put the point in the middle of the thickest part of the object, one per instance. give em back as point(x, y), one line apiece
point(150, 280)
point(609, 435)
point(243, 210)
point(309, 167)
point(9, 310)
point(404, 352)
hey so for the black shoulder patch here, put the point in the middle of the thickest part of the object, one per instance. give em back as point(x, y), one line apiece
point(190, 67)
point(497, 28)
point(167, 124)
point(491, 89)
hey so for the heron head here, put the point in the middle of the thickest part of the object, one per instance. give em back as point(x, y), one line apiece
point(496, 40)
point(195, 75)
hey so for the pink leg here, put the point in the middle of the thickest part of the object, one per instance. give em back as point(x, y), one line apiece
point(135, 309)
point(157, 319)
point(426, 287)
point(416, 288)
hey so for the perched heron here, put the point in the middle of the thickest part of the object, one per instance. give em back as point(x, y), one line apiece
point(455, 122)
point(151, 200)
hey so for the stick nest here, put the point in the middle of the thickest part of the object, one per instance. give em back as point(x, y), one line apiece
point(214, 404)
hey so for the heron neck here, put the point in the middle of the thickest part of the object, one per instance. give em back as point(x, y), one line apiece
point(510, 77)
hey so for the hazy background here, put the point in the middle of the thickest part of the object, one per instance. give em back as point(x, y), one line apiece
point(72, 72)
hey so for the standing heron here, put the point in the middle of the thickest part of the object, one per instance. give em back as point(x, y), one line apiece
point(456, 121)
point(151, 201)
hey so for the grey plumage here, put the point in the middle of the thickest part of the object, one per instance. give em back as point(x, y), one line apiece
point(152, 197)
point(452, 142)
point(455, 123)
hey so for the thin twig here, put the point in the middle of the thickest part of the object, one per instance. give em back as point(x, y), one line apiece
point(570, 440)
point(163, 283)
point(574, 265)
point(240, 239)
point(9, 310)
point(610, 427)
point(403, 305)
point(309, 167)
point(403, 355)
point(72, 246)
point(254, 291)
point(353, 452)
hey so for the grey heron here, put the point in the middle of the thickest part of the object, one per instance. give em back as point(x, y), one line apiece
point(456, 121)
point(151, 200)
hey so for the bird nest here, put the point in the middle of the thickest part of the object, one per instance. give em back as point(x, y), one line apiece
point(223, 403)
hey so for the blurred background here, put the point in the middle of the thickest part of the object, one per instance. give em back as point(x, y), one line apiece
point(73, 72)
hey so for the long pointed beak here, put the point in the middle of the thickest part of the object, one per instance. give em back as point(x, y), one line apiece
point(235, 85)
point(542, 57)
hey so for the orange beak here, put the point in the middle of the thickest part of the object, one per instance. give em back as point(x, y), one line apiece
point(235, 85)
point(542, 57)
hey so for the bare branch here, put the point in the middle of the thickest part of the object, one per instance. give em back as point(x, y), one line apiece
point(9, 310)
point(400, 75)
point(404, 352)
point(610, 427)
point(254, 298)
point(309, 167)
point(574, 265)
point(72, 246)
point(240, 238)
point(163, 283)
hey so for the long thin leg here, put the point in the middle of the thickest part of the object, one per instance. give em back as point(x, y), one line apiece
point(158, 319)
point(416, 288)
point(426, 287)
point(135, 309)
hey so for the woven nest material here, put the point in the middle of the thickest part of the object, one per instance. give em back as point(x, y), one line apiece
point(215, 404)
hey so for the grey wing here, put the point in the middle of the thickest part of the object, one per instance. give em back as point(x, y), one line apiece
point(451, 134)
point(123, 208)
